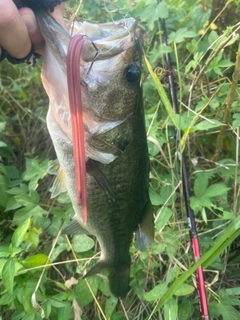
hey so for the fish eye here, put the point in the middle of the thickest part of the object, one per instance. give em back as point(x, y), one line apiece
point(132, 73)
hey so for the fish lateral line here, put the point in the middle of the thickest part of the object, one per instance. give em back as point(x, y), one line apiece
point(76, 111)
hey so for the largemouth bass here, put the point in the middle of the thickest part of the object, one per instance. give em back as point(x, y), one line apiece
point(116, 154)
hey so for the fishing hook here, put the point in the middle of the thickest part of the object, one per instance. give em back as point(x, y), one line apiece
point(95, 57)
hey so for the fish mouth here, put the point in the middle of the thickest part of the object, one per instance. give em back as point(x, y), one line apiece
point(108, 31)
point(106, 40)
point(109, 38)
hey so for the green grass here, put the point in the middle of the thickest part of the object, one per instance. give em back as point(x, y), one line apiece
point(40, 268)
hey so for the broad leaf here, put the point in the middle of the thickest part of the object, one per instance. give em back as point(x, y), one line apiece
point(20, 232)
point(8, 274)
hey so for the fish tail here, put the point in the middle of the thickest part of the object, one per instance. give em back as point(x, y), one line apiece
point(118, 277)
point(119, 281)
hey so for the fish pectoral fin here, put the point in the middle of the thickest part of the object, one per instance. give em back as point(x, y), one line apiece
point(145, 230)
point(115, 146)
point(53, 167)
point(74, 228)
point(94, 171)
point(59, 183)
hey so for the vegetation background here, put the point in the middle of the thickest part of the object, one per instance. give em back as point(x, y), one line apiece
point(40, 268)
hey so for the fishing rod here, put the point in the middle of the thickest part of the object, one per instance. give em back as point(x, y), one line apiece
point(203, 305)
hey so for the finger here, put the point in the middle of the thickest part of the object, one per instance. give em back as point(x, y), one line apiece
point(58, 15)
point(13, 31)
point(33, 30)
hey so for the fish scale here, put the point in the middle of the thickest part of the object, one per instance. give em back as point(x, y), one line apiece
point(115, 139)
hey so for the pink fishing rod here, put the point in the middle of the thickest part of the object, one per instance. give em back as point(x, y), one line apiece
point(203, 305)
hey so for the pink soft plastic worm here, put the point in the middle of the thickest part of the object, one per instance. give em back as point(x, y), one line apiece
point(76, 110)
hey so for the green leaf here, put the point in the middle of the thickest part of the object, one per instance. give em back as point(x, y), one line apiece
point(225, 64)
point(208, 124)
point(4, 185)
point(228, 312)
point(35, 261)
point(83, 293)
point(24, 214)
point(57, 303)
point(82, 243)
point(12, 204)
point(212, 37)
point(54, 228)
point(163, 214)
point(204, 215)
point(236, 122)
point(110, 306)
point(18, 315)
point(7, 298)
point(216, 189)
point(233, 291)
point(201, 16)
point(2, 144)
point(4, 251)
point(155, 198)
point(152, 13)
point(34, 172)
point(184, 290)
point(46, 305)
point(184, 309)
point(29, 316)
point(2, 126)
point(171, 310)
point(65, 312)
point(200, 185)
point(180, 35)
point(28, 200)
point(218, 71)
point(156, 293)
point(8, 273)
point(20, 232)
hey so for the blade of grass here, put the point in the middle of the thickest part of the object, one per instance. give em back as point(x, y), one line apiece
point(162, 94)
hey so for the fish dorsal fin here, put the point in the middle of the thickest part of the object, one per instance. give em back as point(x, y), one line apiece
point(74, 228)
point(145, 230)
point(59, 183)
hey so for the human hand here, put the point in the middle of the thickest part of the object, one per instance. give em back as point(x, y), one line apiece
point(19, 30)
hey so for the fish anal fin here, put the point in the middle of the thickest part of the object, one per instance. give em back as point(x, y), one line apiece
point(145, 230)
point(74, 228)
point(97, 268)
